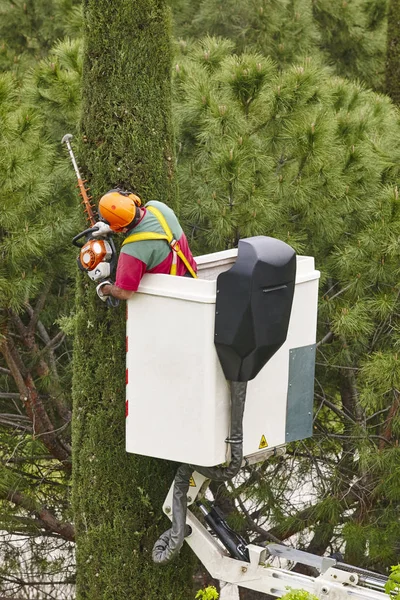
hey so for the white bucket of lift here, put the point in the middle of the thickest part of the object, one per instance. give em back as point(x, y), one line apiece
point(178, 401)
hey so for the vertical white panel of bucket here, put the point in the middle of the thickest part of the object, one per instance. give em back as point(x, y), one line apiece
point(303, 319)
point(265, 410)
point(265, 414)
point(178, 405)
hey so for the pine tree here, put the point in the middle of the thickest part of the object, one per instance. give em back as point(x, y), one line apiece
point(36, 225)
point(127, 140)
point(353, 36)
point(28, 30)
point(283, 30)
point(349, 36)
point(312, 160)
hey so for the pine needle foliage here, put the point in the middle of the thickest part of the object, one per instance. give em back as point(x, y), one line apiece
point(311, 159)
point(28, 30)
point(349, 36)
point(32, 227)
point(55, 90)
point(283, 30)
point(37, 222)
point(353, 38)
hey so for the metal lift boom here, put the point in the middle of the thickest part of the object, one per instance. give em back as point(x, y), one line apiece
point(336, 580)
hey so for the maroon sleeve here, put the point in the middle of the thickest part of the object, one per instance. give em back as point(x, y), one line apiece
point(188, 254)
point(130, 271)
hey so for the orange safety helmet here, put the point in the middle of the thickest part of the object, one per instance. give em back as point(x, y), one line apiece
point(119, 208)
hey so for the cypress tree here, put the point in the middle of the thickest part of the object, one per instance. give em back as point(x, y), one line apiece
point(127, 141)
point(393, 52)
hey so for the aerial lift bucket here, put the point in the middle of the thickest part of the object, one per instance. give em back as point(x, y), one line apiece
point(191, 337)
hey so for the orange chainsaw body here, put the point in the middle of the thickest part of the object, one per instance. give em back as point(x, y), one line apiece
point(93, 253)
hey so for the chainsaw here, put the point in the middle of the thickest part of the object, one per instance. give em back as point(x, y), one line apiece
point(97, 256)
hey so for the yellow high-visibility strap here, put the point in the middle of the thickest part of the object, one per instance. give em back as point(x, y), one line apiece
point(172, 242)
point(168, 237)
point(145, 235)
point(163, 222)
point(185, 261)
point(174, 263)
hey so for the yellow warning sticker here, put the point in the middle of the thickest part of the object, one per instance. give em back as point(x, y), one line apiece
point(263, 443)
point(192, 482)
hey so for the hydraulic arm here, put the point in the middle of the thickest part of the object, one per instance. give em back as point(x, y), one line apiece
point(226, 557)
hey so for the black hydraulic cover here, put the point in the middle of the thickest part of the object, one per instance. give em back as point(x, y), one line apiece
point(254, 301)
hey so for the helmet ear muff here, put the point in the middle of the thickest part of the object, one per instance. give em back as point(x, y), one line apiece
point(135, 219)
point(135, 198)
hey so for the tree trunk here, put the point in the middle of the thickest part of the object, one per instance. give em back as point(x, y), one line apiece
point(127, 141)
point(393, 52)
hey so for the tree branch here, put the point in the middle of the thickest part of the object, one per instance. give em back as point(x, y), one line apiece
point(387, 430)
point(35, 409)
point(39, 307)
point(57, 392)
point(340, 291)
point(335, 409)
point(54, 343)
point(47, 340)
point(16, 319)
point(46, 518)
point(17, 460)
point(15, 369)
point(9, 396)
point(327, 338)
point(307, 517)
point(256, 528)
point(15, 425)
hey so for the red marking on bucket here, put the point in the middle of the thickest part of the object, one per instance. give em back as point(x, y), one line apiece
point(126, 408)
point(126, 377)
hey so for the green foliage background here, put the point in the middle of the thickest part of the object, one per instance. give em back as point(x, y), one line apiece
point(28, 30)
point(269, 140)
point(37, 220)
point(313, 160)
point(348, 36)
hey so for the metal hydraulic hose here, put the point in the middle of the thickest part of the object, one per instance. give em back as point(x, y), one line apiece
point(170, 542)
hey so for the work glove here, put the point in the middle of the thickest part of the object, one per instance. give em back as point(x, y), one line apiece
point(100, 294)
point(103, 229)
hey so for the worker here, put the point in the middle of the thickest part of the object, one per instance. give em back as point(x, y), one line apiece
point(154, 242)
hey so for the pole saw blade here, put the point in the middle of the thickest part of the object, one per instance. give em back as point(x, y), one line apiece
point(88, 208)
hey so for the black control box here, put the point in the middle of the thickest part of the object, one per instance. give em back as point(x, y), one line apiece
point(253, 306)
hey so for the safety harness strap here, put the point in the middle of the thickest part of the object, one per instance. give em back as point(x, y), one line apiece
point(168, 237)
point(144, 235)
